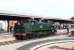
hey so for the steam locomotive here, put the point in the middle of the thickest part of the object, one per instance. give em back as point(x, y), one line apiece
point(25, 29)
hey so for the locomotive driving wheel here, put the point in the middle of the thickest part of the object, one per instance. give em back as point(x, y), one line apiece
point(20, 36)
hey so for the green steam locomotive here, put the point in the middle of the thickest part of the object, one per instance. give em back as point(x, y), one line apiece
point(33, 29)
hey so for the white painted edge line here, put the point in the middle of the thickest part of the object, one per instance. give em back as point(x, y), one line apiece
point(49, 38)
point(38, 46)
point(43, 39)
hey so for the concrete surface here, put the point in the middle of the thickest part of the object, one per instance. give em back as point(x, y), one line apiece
point(27, 44)
point(61, 44)
point(6, 38)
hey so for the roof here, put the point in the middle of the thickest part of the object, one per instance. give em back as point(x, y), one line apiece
point(12, 14)
point(19, 16)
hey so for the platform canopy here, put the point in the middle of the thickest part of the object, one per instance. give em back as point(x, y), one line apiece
point(13, 16)
point(60, 20)
point(8, 16)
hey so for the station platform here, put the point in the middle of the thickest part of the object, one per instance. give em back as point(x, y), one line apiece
point(6, 38)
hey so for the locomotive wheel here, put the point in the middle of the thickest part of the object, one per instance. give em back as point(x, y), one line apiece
point(20, 36)
point(28, 36)
point(17, 37)
point(33, 35)
point(38, 35)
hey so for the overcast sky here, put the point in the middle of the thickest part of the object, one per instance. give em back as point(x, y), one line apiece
point(52, 8)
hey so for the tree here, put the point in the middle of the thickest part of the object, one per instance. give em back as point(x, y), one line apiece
point(72, 18)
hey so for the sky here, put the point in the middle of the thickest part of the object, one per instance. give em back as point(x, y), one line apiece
point(47, 8)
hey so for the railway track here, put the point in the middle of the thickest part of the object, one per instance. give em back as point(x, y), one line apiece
point(7, 42)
